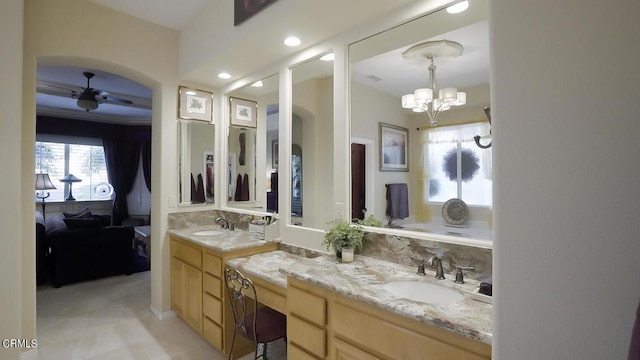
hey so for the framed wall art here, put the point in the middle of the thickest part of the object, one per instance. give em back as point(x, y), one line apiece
point(243, 112)
point(394, 148)
point(195, 104)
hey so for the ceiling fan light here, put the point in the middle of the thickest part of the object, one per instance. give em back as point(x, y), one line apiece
point(87, 104)
point(418, 109)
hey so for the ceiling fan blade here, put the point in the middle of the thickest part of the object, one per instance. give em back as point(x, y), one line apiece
point(113, 99)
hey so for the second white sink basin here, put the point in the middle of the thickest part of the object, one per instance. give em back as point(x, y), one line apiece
point(424, 292)
point(208, 232)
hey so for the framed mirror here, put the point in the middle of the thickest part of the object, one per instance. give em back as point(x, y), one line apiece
point(414, 161)
point(312, 143)
point(251, 176)
point(196, 141)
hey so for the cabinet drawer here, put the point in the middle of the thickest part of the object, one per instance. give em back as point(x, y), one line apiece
point(343, 351)
point(188, 254)
point(390, 339)
point(212, 308)
point(212, 285)
point(213, 333)
point(213, 265)
point(306, 336)
point(294, 352)
point(306, 305)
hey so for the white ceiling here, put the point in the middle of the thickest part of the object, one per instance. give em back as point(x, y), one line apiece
point(263, 40)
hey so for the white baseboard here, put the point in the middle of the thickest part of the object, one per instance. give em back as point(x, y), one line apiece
point(29, 355)
point(161, 315)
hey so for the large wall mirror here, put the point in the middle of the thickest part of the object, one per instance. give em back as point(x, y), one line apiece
point(196, 141)
point(312, 143)
point(408, 171)
point(252, 147)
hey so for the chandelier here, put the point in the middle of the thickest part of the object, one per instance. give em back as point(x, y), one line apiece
point(433, 100)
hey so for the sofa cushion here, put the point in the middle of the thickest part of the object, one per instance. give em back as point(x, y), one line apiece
point(82, 223)
point(84, 213)
point(55, 223)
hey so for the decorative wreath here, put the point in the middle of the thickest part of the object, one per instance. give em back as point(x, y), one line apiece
point(470, 164)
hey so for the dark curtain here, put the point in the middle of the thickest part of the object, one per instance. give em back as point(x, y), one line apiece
point(122, 159)
point(146, 163)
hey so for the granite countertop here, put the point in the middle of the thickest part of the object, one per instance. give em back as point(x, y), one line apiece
point(222, 241)
point(364, 279)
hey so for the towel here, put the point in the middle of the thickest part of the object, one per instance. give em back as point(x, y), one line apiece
point(238, 195)
point(200, 190)
point(397, 201)
point(193, 189)
point(486, 286)
point(244, 195)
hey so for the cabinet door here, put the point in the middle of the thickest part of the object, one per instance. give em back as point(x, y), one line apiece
point(193, 290)
point(343, 351)
point(177, 287)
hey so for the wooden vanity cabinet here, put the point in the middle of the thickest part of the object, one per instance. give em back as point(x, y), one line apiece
point(186, 283)
point(323, 324)
point(198, 295)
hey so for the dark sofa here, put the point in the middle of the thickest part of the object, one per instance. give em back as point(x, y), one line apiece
point(42, 250)
point(86, 248)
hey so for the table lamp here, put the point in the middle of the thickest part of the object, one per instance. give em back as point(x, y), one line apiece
point(43, 182)
point(70, 179)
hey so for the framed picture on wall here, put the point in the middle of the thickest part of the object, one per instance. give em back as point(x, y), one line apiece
point(243, 112)
point(195, 104)
point(394, 148)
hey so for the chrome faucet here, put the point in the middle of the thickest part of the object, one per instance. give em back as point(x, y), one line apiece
point(224, 223)
point(437, 262)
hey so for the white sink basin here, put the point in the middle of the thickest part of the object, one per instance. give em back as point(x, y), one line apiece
point(208, 232)
point(424, 292)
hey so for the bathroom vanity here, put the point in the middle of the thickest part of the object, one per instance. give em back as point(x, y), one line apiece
point(197, 279)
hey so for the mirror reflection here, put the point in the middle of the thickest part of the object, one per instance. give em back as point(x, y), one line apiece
point(415, 165)
point(252, 147)
point(312, 143)
point(196, 144)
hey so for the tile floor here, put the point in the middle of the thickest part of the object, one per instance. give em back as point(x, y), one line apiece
point(110, 319)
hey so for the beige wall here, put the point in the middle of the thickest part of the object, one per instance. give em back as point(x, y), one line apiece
point(123, 45)
point(17, 284)
point(566, 199)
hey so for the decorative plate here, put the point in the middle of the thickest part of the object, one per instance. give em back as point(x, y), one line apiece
point(455, 211)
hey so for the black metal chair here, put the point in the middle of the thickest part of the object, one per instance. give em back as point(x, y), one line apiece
point(259, 325)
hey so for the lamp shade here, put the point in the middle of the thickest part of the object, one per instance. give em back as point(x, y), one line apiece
point(70, 178)
point(43, 182)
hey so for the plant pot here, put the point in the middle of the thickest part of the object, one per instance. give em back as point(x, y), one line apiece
point(347, 254)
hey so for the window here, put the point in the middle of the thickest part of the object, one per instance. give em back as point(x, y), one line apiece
point(458, 168)
point(84, 161)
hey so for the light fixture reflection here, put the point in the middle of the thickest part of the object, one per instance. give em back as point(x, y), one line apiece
point(458, 8)
point(257, 84)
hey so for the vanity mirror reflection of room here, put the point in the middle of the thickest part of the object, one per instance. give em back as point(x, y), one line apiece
point(397, 106)
point(253, 133)
point(312, 143)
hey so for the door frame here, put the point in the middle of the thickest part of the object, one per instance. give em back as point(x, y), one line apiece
point(369, 174)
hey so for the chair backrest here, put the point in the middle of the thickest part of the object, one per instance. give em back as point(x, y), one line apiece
point(239, 288)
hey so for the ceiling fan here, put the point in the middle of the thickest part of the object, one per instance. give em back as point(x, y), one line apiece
point(90, 97)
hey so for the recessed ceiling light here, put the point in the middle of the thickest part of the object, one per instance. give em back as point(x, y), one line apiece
point(257, 84)
point(224, 75)
point(292, 41)
point(190, 92)
point(328, 57)
point(458, 8)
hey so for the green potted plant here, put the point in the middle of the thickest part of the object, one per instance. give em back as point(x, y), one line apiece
point(343, 235)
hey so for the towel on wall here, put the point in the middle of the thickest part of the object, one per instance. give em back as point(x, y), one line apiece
point(200, 190)
point(193, 189)
point(397, 201)
point(238, 195)
point(244, 196)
